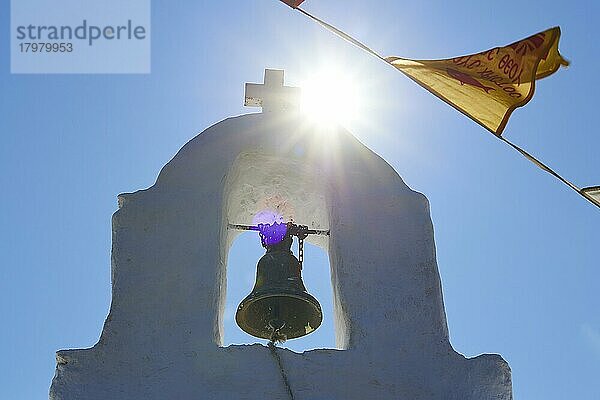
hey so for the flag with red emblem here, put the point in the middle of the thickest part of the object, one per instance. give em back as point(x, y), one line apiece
point(490, 85)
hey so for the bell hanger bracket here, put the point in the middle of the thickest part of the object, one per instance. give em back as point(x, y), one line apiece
point(269, 231)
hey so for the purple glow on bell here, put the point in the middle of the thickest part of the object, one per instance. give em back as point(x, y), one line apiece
point(272, 234)
point(271, 227)
point(267, 217)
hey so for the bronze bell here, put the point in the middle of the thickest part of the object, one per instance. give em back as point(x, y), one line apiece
point(279, 307)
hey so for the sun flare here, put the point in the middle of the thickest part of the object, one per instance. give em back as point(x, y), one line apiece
point(330, 97)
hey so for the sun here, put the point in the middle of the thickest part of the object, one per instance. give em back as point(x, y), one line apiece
point(330, 97)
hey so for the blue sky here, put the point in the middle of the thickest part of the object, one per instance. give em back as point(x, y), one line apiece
point(517, 251)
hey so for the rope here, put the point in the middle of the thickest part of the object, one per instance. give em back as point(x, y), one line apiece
point(549, 170)
point(531, 158)
point(341, 34)
point(281, 370)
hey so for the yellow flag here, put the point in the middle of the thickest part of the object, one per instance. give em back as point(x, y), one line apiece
point(490, 85)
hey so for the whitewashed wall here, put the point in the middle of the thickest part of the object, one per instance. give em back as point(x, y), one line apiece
point(161, 339)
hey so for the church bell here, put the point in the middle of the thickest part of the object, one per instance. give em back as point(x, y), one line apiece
point(279, 307)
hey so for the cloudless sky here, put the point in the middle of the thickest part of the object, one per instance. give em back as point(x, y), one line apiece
point(517, 251)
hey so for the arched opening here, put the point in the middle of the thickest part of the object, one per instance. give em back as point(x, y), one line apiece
point(293, 190)
point(241, 270)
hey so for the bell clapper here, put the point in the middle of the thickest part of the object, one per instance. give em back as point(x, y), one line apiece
point(276, 324)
